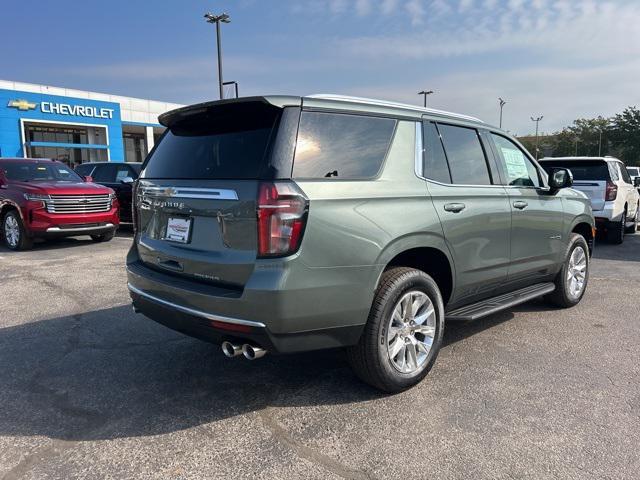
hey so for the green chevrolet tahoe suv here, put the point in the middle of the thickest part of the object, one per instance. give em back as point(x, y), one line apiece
point(289, 224)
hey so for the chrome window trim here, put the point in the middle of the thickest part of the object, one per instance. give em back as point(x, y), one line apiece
point(192, 311)
point(189, 192)
point(419, 151)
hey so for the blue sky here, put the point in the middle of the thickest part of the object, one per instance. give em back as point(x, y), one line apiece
point(558, 58)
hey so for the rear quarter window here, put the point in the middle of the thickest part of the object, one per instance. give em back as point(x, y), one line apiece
point(341, 146)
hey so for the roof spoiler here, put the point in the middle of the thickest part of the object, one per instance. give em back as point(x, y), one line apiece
point(169, 118)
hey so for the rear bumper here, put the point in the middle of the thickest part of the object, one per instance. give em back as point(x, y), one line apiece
point(275, 310)
point(216, 329)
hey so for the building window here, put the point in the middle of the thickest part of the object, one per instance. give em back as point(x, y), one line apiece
point(70, 155)
point(135, 147)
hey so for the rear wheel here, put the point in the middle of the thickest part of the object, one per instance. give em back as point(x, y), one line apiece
point(634, 228)
point(615, 231)
point(104, 237)
point(403, 334)
point(14, 233)
point(571, 281)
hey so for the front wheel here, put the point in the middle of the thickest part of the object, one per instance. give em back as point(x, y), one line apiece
point(14, 233)
point(403, 334)
point(105, 237)
point(571, 281)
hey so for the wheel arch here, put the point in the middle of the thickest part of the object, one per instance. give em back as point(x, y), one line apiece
point(585, 227)
point(424, 252)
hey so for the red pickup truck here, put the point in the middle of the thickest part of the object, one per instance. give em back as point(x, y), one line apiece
point(42, 198)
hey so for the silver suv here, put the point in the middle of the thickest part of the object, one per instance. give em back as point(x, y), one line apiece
point(288, 224)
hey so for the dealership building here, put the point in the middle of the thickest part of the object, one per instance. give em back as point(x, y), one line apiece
point(75, 126)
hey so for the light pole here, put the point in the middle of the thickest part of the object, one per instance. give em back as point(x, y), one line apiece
point(217, 19)
point(425, 93)
point(502, 104)
point(537, 120)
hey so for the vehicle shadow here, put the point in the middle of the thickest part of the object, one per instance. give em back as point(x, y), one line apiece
point(66, 242)
point(111, 373)
point(628, 251)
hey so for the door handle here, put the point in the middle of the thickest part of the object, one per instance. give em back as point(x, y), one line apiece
point(520, 204)
point(454, 207)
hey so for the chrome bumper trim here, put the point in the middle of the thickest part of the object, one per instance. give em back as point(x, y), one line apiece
point(78, 229)
point(191, 311)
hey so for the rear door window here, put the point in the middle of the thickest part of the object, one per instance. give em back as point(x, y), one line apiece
point(518, 170)
point(467, 161)
point(435, 161)
point(341, 146)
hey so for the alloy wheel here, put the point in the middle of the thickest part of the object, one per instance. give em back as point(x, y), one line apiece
point(11, 231)
point(411, 331)
point(577, 272)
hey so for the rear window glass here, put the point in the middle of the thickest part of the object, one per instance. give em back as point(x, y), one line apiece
point(580, 170)
point(341, 146)
point(633, 171)
point(227, 142)
point(465, 154)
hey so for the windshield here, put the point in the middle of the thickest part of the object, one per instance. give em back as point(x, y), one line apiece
point(581, 170)
point(39, 172)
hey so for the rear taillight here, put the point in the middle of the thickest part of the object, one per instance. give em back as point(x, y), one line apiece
point(282, 214)
point(612, 192)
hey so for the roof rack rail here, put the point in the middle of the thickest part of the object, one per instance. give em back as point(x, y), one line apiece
point(385, 103)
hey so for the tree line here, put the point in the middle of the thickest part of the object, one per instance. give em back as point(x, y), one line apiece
point(617, 136)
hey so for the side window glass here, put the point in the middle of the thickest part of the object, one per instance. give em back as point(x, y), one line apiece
point(613, 171)
point(332, 145)
point(624, 174)
point(467, 161)
point(434, 166)
point(104, 174)
point(519, 170)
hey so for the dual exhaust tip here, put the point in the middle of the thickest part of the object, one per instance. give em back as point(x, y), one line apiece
point(250, 352)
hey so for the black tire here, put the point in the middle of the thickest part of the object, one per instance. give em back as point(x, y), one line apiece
point(634, 227)
point(24, 242)
point(104, 237)
point(370, 357)
point(615, 231)
point(561, 296)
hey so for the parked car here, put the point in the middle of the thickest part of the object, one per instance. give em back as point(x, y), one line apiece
point(289, 224)
point(42, 198)
point(605, 180)
point(117, 176)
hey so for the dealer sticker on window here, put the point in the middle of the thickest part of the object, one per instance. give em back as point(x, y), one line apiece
point(178, 229)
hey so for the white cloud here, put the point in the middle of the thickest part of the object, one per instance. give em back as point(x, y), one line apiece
point(388, 6)
point(363, 7)
point(415, 8)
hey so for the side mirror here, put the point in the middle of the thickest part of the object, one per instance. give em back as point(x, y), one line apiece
point(560, 178)
point(636, 182)
point(88, 179)
point(127, 180)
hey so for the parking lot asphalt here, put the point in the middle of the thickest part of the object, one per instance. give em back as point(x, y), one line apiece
point(88, 389)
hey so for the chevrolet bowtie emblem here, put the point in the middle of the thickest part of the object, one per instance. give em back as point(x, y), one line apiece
point(21, 104)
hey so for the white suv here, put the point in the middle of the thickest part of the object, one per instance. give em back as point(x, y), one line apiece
point(614, 197)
